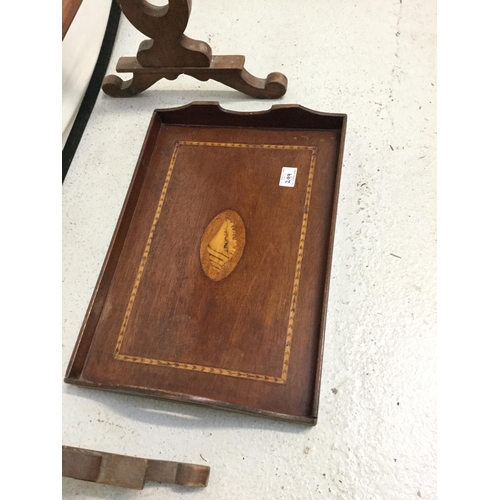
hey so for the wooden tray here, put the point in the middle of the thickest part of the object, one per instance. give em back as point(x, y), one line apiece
point(215, 286)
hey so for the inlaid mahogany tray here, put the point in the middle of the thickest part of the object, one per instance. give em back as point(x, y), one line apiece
point(215, 286)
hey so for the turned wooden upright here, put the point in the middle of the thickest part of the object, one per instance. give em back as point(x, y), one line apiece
point(169, 53)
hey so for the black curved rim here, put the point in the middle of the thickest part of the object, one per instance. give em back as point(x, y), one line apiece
point(93, 89)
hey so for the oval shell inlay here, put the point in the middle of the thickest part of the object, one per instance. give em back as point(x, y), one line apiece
point(222, 245)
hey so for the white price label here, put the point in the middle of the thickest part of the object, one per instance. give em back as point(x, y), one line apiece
point(288, 175)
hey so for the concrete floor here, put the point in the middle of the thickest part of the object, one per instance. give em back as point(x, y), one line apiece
point(374, 60)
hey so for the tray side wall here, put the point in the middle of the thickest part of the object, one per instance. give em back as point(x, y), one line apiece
point(86, 335)
point(279, 116)
point(329, 269)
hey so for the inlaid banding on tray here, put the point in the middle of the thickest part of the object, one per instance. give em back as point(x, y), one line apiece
point(222, 245)
point(228, 231)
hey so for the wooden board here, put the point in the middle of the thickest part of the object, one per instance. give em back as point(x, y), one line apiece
point(215, 286)
point(129, 472)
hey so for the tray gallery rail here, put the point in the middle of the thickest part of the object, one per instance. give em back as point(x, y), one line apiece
point(214, 289)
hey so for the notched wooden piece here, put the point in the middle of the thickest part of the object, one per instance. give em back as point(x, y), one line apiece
point(169, 53)
point(222, 245)
point(129, 472)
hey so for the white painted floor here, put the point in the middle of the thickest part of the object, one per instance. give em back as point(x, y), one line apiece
point(374, 60)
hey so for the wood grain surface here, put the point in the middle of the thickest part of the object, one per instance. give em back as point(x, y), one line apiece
point(69, 10)
point(170, 53)
point(222, 245)
point(159, 324)
point(129, 472)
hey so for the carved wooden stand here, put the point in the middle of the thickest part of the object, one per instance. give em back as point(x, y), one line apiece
point(170, 53)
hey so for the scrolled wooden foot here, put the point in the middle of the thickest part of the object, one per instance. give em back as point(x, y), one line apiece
point(228, 70)
point(272, 87)
point(170, 53)
point(114, 86)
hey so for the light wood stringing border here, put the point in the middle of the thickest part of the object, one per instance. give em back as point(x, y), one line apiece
point(295, 290)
